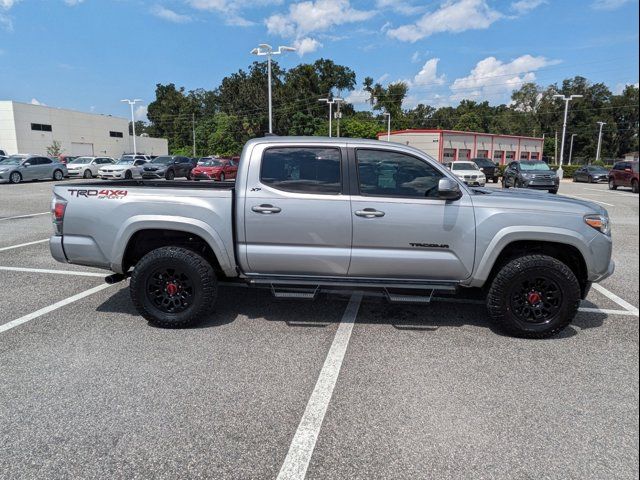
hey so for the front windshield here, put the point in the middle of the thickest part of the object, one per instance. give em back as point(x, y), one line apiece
point(464, 166)
point(534, 166)
point(211, 163)
point(598, 169)
point(82, 160)
point(13, 160)
point(162, 160)
point(125, 161)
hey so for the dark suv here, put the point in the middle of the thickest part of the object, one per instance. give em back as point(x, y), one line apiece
point(530, 174)
point(487, 167)
point(624, 174)
point(168, 166)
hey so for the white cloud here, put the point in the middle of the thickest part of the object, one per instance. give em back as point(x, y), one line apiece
point(7, 4)
point(619, 88)
point(169, 15)
point(306, 45)
point(608, 4)
point(231, 9)
point(403, 7)
point(492, 78)
point(358, 97)
point(141, 113)
point(308, 17)
point(73, 3)
point(428, 76)
point(525, 6)
point(5, 20)
point(452, 16)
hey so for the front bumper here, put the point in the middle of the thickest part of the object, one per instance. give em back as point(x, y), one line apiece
point(109, 175)
point(75, 173)
point(151, 175)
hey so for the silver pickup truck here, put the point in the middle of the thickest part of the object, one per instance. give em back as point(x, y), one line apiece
point(308, 213)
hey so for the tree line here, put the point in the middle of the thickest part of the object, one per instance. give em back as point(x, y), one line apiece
point(221, 120)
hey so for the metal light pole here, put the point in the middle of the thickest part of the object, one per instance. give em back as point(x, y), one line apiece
point(133, 120)
point(262, 50)
point(338, 116)
point(564, 127)
point(331, 100)
point(388, 115)
point(599, 140)
point(571, 147)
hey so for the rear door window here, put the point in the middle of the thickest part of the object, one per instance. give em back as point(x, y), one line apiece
point(302, 169)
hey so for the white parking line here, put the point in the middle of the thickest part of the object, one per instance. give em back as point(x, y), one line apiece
point(25, 216)
point(51, 308)
point(59, 272)
point(612, 296)
point(297, 461)
point(589, 200)
point(2, 249)
point(607, 311)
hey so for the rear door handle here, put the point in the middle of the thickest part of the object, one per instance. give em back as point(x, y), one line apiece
point(369, 213)
point(266, 208)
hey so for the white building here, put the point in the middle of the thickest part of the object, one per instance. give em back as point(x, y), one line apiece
point(26, 128)
point(451, 145)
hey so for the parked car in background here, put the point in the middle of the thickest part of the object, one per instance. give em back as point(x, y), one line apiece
point(126, 168)
point(530, 174)
point(591, 174)
point(469, 173)
point(624, 174)
point(487, 167)
point(17, 168)
point(220, 169)
point(87, 167)
point(66, 158)
point(168, 167)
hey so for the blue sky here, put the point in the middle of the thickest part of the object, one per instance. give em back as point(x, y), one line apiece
point(88, 54)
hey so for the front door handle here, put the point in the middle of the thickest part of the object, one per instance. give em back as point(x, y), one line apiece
point(266, 208)
point(369, 213)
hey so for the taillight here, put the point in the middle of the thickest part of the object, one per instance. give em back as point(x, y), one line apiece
point(58, 207)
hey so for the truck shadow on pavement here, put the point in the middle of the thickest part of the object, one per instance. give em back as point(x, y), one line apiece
point(327, 309)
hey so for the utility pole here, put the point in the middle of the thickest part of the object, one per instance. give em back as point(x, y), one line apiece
point(262, 50)
point(193, 127)
point(133, 120)
point(331, 100)
point(388, 115)
point(338, 115)
point(555, 154)
point(571, 147)
point(599, 140)
point(564, 126)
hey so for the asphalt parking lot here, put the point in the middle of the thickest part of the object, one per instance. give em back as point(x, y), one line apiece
point(344, 386)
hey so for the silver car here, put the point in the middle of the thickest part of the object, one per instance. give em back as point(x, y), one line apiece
point(16, 168)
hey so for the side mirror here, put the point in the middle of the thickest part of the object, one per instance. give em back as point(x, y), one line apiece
point(175, 162)
point(27, 164)
point(628, 170)
point(449, 189)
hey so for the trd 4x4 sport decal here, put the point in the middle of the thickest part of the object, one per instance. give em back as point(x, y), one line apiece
point(106, 193)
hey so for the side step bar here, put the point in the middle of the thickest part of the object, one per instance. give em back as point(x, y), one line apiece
point(408, 298)
point(297, 293)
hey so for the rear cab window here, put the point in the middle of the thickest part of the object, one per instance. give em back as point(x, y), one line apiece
point(314, 170)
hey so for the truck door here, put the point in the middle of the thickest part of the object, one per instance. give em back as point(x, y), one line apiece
point(400, 228)
point(297, 217)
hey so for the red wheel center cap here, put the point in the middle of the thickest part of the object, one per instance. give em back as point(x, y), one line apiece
point(172, 289)
point(533, 298)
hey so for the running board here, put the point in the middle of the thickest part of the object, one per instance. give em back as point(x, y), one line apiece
point(318, 283)
point(297, 293)
point(408, 298)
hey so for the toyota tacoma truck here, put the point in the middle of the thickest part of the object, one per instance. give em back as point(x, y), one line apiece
point(307, 214)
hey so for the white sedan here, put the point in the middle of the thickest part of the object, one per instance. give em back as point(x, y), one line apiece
point(469, 173)
point(87, 167)
point(126, 168)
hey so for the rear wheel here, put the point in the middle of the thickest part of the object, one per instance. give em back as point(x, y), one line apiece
point(170, 175)
point(612, 184)
point(58, 175)
point(534, 296)
point(504, 183)
point(15, 177)
point(87, 174)
point(128, 175)
point(222, 177)
point(173, 287)
point(634, 186)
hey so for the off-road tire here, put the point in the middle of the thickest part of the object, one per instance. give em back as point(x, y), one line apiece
point(200, 272)
point(506, 284)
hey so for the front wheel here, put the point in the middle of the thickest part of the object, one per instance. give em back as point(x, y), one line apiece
point(504, 183)
point(128, 175)
point(222, 177)
point(534, 296)
point(554, 191)
point(15, 177)
point(58, 175)
point(173, 287)
point(612, 184)
point(170, 175)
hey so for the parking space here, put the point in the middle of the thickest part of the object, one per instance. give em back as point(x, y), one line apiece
point(337, 388)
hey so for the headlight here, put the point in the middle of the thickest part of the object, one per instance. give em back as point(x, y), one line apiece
point(599, 222)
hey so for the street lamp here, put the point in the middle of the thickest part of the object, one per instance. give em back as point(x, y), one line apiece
point(564, 127)
point(388, 115)
point(133, 120)
point(599, 140)
point(330, 100)
point(571, 147)
point(265, 49)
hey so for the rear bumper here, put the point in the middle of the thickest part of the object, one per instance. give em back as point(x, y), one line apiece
point(77, 249)
point(55, 246)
